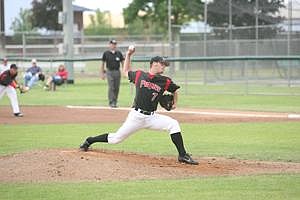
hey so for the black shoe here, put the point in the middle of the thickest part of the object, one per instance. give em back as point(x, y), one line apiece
point(187, 159)
point(18, 115)
point(47, 87)
point(85, 146)
point(113, 105)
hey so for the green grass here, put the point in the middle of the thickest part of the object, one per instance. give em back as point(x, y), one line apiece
point(93, 91)
point(275, 187)
point(260, 141)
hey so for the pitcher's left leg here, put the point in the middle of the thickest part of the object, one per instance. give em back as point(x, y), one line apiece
point(166, 123)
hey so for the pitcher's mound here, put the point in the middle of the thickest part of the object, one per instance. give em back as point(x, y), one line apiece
point(103, 165)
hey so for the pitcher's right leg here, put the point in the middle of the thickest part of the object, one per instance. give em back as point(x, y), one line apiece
point(133, 123)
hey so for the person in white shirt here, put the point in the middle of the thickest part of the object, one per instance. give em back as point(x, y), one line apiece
point(4, 66)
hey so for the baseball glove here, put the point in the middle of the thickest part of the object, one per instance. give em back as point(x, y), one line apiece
point(167, 100)
point(41, 77)
point(22, 88)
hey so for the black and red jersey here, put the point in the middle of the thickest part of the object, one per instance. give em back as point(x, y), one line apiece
point(6, 78)
point(149, 88)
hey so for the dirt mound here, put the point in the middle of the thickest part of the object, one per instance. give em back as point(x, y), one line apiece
point(60, 165)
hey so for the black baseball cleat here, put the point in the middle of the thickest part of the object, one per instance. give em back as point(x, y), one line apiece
point(85, 146)
point(18, 115)
point(187, 159)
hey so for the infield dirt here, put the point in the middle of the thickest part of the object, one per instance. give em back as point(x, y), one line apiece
point(63, 115)
point(64, 165)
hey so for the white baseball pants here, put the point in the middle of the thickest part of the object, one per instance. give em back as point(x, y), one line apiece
point(136, 120)
point(12, 95)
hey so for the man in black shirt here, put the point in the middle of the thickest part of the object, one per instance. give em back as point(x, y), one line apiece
point(112, 59)
point(150, 87)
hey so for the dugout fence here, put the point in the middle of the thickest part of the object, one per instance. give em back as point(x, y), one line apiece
point(238, 75)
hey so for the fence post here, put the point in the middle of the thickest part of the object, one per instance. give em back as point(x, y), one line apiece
point(246, 77)
point(289, 74)
point(205, 73)
point(24, 44)
point(185, 78)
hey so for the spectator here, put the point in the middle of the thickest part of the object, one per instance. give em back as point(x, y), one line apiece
point(111, 59)
point(33, 74)
point(57, 79)
point(4, 66)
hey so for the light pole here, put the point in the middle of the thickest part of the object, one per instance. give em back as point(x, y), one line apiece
point(2, 28)
point(205, 42)
point(256, 27)
point(170, 23)
point(290, 29)
point(68, 38)
point(230, 20)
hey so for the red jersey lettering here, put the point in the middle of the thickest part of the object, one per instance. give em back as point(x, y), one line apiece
point(150, 85)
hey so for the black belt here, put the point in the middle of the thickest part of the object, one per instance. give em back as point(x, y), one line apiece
point(144, 111)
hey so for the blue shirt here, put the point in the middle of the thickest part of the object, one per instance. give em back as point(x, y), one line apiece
point(34, 70)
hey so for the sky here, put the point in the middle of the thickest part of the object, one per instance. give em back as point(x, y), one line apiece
point(12, 7)
point(114, 6)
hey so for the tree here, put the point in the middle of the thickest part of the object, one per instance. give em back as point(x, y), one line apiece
point(244, 14)
point(22, 23)
point(154, 13)
point(45, 14)
point(99, 24)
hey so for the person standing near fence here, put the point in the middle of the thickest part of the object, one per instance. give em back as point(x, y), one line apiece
point(111, 61)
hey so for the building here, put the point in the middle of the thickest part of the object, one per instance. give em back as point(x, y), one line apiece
point(78, 16)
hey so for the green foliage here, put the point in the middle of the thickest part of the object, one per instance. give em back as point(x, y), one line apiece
point(22, 23)
point(244, 14)
point(45, 14)
point(136, 27)
point(101, 26)
point(275, 187)
point(154, 14)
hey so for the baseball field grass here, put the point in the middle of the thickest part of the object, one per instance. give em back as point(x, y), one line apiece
point(92, 91)
point(278, 141)
point(275, 187)
point(258, 141)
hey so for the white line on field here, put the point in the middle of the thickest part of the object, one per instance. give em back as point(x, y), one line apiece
point(231, 114)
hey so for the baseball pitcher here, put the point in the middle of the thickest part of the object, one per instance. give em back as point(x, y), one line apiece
point(8, 85)
point(150, 89)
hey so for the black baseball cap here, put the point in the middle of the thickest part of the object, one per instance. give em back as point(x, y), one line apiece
point(113, 42)
point(13, 66)
point(160, 59)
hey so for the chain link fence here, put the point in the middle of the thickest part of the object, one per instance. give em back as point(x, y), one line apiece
point(237, 76)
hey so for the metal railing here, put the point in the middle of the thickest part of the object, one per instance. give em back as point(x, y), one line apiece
point(242, 75)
